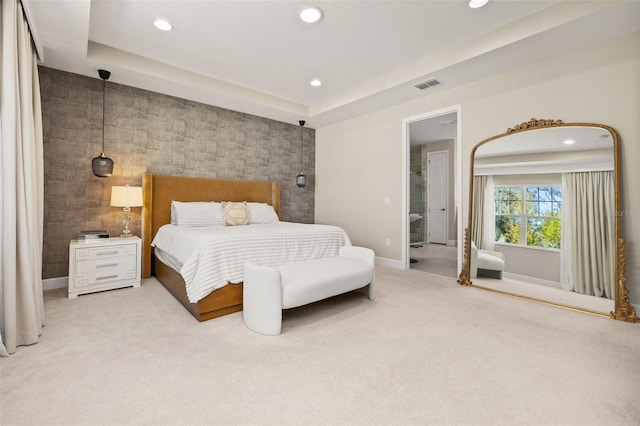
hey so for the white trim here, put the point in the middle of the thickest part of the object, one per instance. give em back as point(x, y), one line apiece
point(525, 247)
point(389, 263)
point(538, 167)
point(55, 283)
point(404, 260)
point(452, 242)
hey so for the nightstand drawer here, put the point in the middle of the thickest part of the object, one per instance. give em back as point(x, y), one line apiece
point(104, 271)
point(108, 252)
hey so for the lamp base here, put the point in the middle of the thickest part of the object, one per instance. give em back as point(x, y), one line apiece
point(127, 218)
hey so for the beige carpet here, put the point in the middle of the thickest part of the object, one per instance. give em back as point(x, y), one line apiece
point(437, 259)
point(426, 351)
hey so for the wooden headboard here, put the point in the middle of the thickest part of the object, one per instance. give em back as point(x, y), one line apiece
point(159, 191)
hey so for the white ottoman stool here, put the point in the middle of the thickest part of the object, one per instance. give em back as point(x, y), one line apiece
point(269, 290)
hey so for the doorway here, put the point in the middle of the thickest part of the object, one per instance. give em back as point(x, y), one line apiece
point(433, 189)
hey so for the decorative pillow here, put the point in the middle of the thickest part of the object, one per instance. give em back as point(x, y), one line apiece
point(261, 213)
point(197, 213)
point(235, 213)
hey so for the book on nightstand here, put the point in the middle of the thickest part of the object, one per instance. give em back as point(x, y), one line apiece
point(92, 235)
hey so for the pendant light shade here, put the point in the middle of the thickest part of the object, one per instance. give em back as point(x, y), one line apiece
point(301, 179)
point(102, 165)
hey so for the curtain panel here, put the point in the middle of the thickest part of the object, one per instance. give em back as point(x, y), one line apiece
point(22, 187)
point(588, 260)
point(489, 224)
point(478, 218)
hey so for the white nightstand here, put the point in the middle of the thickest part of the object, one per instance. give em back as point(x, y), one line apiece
point(103, 264)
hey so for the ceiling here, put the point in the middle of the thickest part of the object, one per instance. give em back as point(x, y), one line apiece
point(543, 151)
point(549, 140)
point(257, 57)
point(435, 129)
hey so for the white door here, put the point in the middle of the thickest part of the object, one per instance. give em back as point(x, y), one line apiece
point(438, 196)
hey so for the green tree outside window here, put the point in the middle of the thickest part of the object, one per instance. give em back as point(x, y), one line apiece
point(538, 208)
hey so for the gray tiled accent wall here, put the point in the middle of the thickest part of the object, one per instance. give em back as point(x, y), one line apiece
point(151, 132)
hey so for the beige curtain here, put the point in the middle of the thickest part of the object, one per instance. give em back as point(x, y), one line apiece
point(22, 187)
point(589, 262)
point(489, 225)
point(478, 218)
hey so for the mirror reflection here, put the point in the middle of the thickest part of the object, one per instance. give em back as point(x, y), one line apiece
point(543, 218)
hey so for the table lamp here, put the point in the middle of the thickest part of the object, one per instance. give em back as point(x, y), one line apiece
point(126, 197)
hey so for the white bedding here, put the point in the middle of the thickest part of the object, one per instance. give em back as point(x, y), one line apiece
point(211, 257)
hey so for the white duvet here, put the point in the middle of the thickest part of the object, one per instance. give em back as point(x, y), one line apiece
point(211, 257)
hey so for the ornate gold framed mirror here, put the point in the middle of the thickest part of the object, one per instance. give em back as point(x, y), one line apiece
point(544, 223)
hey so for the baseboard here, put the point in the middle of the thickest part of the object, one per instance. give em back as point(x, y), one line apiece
point(55, 283)
point(389, 263)
point(452, 243)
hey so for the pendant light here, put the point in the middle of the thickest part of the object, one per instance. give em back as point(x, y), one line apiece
point(102, 165)
point(301, 179)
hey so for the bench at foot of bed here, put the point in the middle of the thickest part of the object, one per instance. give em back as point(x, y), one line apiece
point(267, 291)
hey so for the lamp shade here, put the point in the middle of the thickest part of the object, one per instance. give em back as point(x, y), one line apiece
point(126, 196)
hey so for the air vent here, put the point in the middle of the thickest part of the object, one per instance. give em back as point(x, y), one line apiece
point(427, 83)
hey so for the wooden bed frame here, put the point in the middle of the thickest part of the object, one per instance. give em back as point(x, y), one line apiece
point(158, 192)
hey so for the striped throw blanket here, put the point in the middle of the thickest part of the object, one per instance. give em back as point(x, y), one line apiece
point(211, 257)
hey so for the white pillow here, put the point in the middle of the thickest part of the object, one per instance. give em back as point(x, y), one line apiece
point(261, 213)
point(197, 213)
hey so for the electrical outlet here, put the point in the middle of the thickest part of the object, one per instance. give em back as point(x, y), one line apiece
point(387, 241)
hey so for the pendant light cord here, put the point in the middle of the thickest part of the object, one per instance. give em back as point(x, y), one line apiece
point(301, 122)
point(102, 166)
point(104, 85)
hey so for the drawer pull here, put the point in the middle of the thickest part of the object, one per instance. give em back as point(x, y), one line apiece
point(107, 265)
point(104, 253)
point(106, 277)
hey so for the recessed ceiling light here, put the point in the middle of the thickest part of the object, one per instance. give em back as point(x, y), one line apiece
point(315, 82)
point(162, 24)
point(474, 4)
point(569, 142)
point(310, 14)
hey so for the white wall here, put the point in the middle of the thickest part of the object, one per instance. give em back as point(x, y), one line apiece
point(355, 182)
point(526, 261)
point(359, 161)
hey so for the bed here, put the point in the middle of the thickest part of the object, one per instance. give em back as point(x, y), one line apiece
point(159, 193)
